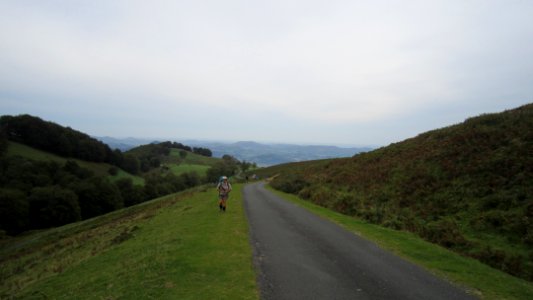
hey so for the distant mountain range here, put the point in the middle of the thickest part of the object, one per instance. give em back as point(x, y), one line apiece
point(273, 154)
point(261, 154)
point(124, 144)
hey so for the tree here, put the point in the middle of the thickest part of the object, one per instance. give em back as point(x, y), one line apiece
point(181, 146)
point(113, 171)
point(117, 158)
point(131, 194)
point(3, 142)
point(245, 165)
point(225, 168)
point(54, 138)
point(190, 179)
point(202, 151)
point(14, 211)
point(131, 164)
point(53, 206)
point(73, 168)
point(230, 159)
point(98, 196)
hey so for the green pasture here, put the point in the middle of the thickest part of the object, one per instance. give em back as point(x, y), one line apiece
point(191, 158)
point(201, 170)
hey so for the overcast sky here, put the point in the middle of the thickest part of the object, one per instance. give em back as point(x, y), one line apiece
point(314, 72)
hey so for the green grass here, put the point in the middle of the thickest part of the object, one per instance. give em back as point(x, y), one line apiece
point(100, 169)
point(123, 174)
point(31, 153)
point(176, 247)
point(191, 158)
point(479, 279)
point(201, 170)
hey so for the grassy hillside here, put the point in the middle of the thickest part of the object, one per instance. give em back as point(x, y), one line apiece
point(187, 168)
point(54, 138)
point(100, 169)
point(467, 187)
point(192, 162)
point(164, 157)
point(191, 158)
point(175, 247)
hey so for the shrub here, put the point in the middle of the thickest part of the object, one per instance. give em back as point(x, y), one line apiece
point(323, 196)
point(14, 211)
point(113, 171)
point(393, 223)
point(131, 194)
point(224, 168)
point(289, 184)
point(346, 204)
point(507, 262)
point(444, 232)
point(97, 196)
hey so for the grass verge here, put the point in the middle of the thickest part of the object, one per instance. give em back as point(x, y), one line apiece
point(175, 247)
point(479, 279)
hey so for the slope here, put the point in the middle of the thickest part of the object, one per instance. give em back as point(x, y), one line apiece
point(466, 187)
point(175, 247)
point(100, 169)
point(189, 162)
point(174, 157)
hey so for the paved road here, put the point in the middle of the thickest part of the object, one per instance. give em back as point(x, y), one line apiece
point(301, 256)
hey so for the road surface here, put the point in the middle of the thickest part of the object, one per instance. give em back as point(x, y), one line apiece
point(299, 255)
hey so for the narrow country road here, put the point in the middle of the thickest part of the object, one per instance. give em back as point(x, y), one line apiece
point(301, 256)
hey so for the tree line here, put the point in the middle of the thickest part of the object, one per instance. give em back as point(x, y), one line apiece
point(43, 194)
point(54, 138)
point(37, 194)
point(67, 142)
point(147, 157)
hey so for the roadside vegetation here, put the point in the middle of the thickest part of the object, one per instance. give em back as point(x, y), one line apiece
point(176, 247)
point(478, 279)
point(465, 187)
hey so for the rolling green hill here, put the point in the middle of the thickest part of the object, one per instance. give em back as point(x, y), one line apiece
point(53, 175)
point(191, 158)
point(175, 247)
point(167, 156)
point(467, 187)
point(192, 162)
point(100, 169)
point(54, 138)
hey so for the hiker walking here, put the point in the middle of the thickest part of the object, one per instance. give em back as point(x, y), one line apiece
point(223, 187)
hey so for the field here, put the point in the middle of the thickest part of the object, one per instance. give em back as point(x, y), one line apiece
point(483, 281)
point(176, 247)
point(191, 158)
point(100, 169)
point(201, 170)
